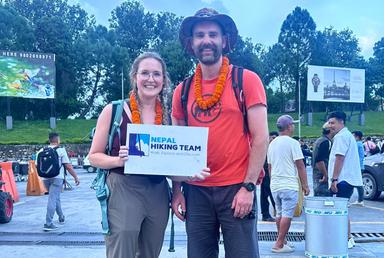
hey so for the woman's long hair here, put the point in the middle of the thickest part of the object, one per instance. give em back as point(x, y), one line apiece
point(164, 93)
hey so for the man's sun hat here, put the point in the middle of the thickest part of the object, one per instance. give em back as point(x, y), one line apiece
point(285, 120)
point(208, 14)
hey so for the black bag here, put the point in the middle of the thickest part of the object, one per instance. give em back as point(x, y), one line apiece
point(48, 164)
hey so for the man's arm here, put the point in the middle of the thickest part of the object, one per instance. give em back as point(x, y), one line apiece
point(302, 175)
point(320, 165)
point(258, 129)
point(71, 171)
point(339, 162)
point(178, 200)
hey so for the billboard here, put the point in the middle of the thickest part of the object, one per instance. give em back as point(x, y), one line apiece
point(335, 84)
point(27, 75)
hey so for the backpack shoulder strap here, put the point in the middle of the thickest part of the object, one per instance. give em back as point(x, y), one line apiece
point(184, 96)
point(237, 85)
point(117, 111)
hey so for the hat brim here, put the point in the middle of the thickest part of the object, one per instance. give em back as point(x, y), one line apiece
point(226, 23)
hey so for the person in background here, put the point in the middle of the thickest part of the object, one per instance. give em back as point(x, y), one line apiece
point(54, 185)
point(265, 189)
point(360, 148)
point(321, 150)
point(286, 168)
point(344, 166)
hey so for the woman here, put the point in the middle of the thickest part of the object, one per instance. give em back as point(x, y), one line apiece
point(138, 205)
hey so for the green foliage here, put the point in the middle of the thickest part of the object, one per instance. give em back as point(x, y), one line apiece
point(36, 132)
point(77, 131)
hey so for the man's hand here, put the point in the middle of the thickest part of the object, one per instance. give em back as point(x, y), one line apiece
point(178, 205)
point(77, 181)
point(334, 187)
point(242, 203)
point(305, 190)
point(324, 179)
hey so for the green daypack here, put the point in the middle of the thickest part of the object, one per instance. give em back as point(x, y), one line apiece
point(99, 184)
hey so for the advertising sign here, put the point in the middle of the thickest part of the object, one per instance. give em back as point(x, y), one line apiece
point(27, 75)
point(335, 84)
point(166, 150)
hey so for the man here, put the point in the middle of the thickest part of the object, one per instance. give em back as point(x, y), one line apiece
point(360, 149)
point(226, 199)
point(265, 189)
point(344, 166)
point(286, 167)
point(54, 185)
point(321, 150)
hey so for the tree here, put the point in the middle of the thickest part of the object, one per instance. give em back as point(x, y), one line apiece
point(15, 32)
point(375, 75)
point(296, 38)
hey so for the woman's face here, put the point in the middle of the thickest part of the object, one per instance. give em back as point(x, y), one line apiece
point(149, 78)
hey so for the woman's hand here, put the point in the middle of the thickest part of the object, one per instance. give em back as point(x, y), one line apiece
point(201, 176)
point(123, 155)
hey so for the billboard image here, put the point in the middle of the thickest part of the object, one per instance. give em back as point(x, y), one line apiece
point(334, 84)
point(27, 75)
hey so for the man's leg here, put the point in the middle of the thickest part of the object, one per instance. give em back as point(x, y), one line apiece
point(345, 190)
point(59, 211)
point(54, 189)
point(360, 192)
point(283, 228)
point(240, 235)
point(289, 200)
point(264, 204)
point(202, 225)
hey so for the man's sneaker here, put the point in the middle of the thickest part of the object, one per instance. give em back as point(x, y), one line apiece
point(50, 227)
point(351, 243)
point(268, 219)
point(62, 220)
point(357, 203)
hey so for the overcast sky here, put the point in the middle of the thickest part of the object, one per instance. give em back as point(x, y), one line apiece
point(261, 20)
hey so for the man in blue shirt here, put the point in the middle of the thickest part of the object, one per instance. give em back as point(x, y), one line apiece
point(360, 148)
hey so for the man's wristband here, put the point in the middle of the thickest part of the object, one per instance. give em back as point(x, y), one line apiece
point(334, 180)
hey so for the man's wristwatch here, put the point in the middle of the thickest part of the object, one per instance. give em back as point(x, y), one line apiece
point(334, 180)
point(249, 186)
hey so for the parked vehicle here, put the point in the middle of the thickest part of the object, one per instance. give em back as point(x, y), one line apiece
point(373, 176)
point(6, 203)
point(87, 166)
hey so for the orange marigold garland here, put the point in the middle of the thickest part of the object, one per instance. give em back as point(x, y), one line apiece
point(136, 117)
point(212, 100)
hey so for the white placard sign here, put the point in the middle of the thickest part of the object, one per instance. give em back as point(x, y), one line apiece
point(335, 84)
point(166, 150)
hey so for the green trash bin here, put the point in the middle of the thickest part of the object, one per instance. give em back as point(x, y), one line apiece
point(326, 227)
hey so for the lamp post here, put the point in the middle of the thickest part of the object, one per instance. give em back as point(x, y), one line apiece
point(299, 104)
point(299, 90)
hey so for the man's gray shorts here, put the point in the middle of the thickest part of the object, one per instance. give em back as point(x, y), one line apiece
point(286, 201)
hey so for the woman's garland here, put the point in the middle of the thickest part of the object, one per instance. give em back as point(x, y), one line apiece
point(136, 117)
point(212, 100)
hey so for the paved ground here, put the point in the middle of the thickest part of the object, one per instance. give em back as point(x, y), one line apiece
point(80, 237)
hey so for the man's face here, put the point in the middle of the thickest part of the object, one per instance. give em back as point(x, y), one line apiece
point(208, 42)
point(335, 125)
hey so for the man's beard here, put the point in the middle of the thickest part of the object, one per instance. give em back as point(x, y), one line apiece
point(205, 59)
